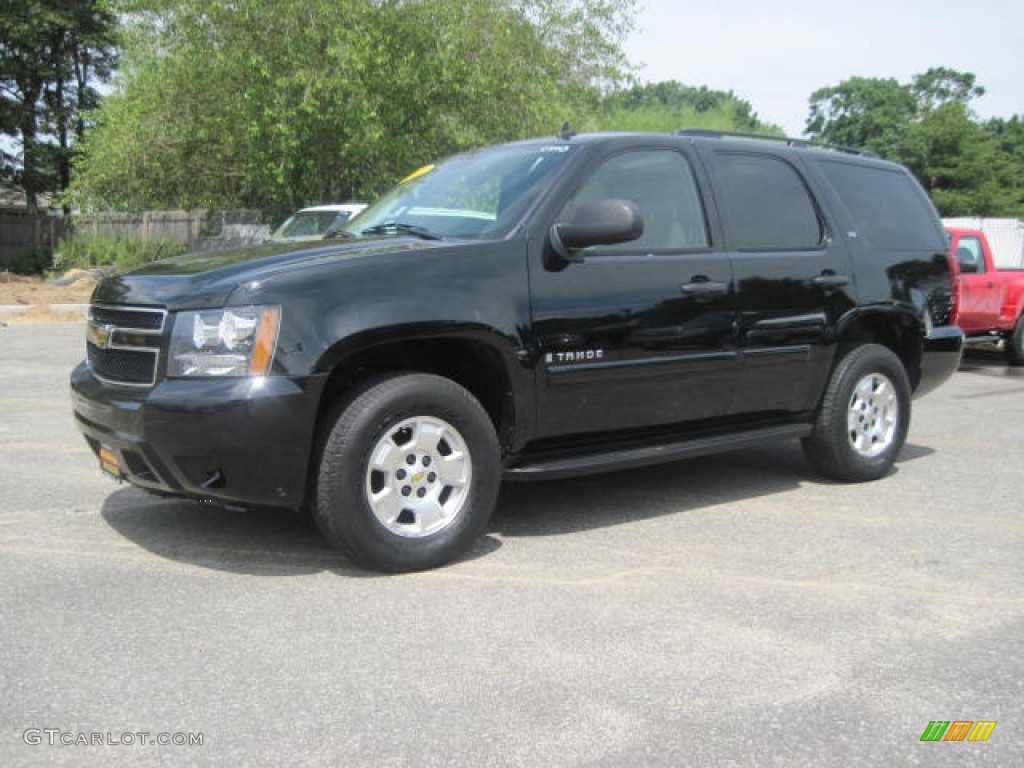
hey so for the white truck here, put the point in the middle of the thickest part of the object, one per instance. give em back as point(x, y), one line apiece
point(1005, 237)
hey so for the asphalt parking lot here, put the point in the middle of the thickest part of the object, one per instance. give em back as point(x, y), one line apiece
point(728, 611)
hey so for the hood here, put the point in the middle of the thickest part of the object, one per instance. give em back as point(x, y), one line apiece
point(207, 278)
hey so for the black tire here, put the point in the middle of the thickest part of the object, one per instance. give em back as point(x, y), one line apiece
point(1015, 344)
point(864, 416)
point(394, 516)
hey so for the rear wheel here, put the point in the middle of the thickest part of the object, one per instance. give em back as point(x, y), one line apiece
point(864, 416)
point(1015, 344)
point(409, 474)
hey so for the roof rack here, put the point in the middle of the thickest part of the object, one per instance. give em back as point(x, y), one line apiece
point(715, 134)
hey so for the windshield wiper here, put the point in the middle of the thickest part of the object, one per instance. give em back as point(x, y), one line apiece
point(399, 228)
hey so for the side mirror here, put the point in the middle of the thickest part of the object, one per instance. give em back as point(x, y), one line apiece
point(966, 260)
point(600, 222)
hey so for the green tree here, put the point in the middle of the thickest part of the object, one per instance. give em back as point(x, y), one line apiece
point(1008, 137)
point(941, 85)
point(968, 168)
point(862, 112)
point(956, 161)
point(669, 105)
point(53, 54)
point(273, 104)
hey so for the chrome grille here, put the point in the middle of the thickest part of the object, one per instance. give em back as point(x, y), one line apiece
point(123, 344)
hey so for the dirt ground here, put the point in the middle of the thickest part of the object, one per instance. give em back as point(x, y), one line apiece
point(37, 295)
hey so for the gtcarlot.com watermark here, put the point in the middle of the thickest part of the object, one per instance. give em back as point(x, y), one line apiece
point(55, 737)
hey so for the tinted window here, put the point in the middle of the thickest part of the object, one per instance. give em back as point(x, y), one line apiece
point(766, 204)
point(887, 206)
point(662, 186)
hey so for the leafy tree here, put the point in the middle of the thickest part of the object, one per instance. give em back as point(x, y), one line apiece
point(669, 105)
point(1008, 137)
point(940, 85)
point(53, 53)
point(968, 168)
point(862, 112)
point(274, 104)
point(957, 162)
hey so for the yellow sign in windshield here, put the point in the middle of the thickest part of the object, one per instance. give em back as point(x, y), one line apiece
point(417, 173)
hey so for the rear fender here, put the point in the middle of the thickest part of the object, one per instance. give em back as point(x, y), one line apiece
point(1013, 304)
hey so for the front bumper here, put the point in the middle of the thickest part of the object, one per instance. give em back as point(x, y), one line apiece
point(235, 441)
point(940, 357)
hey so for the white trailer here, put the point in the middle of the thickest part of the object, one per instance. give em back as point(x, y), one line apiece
point(1006, 236)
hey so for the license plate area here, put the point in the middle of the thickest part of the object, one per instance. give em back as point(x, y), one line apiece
point(109, 462)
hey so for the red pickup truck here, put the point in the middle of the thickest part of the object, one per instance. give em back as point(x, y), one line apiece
point(989, 303)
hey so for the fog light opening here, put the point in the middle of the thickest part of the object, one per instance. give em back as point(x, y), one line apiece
point(214, 479)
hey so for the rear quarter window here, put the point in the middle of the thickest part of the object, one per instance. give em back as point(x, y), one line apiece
point(888, 208)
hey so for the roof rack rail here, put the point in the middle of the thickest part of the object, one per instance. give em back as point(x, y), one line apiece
point(789, 141)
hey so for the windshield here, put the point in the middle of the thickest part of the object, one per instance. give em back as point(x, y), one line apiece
point(310, 223)
point(480, 194)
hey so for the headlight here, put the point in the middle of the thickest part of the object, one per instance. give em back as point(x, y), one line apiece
point(239, 341)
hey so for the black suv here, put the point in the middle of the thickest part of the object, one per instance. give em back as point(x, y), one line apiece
point(538, 309)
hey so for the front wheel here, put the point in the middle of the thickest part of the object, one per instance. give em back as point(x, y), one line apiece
point(1015, 344)
point(409, 474)
point(864, 416)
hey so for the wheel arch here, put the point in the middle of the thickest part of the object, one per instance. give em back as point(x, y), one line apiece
point(473, 359)
point(1012, 311)
point(898, 329)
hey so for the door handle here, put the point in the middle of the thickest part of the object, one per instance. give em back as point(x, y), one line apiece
point(831, 281)
point(704, 288)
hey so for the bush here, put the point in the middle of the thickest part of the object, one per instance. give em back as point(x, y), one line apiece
point(31, 261)
point(87, 250)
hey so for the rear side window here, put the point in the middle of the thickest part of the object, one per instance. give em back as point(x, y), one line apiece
point(888, 208)
point(766, 204)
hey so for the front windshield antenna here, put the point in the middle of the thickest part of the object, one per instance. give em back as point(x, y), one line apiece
point(565, 132)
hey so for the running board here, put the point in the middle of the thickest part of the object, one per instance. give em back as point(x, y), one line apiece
point(990, 338)
point(627, 458)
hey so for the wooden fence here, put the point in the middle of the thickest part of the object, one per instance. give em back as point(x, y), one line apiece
point(180, 226)
point(23, 233)
point(185, 227)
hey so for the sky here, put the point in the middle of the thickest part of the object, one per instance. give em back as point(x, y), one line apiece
point(775, 54)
